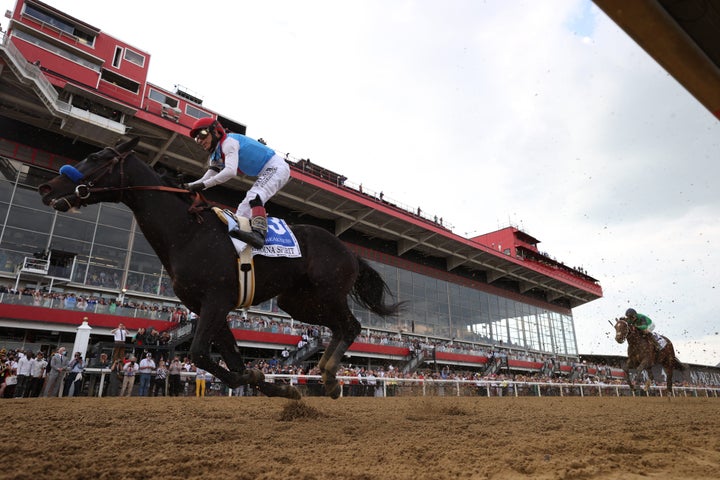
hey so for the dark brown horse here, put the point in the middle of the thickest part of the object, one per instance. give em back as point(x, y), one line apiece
point(643, 355)
point(197, 253)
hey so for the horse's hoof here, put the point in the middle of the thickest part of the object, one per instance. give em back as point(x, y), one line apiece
point(293, 393)
point(333, 390)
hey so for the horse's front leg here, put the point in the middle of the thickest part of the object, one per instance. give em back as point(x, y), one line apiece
point(669, 373)
point(628, 378)
point(225, 343)
point(209, 324)
point(647, 368)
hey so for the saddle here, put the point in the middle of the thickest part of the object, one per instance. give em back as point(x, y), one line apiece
point(246, 272)
point(658, 341)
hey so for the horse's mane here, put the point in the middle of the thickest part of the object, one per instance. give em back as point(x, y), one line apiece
point(167, 178)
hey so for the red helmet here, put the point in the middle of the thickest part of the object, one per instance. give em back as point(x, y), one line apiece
point(206, 123)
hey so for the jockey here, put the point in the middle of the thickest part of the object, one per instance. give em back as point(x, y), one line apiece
point(232, 154)
point(644, 324)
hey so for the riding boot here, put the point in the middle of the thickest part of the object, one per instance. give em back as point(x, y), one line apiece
point(258, 225)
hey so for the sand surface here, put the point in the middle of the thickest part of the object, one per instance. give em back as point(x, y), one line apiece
point(362, 438)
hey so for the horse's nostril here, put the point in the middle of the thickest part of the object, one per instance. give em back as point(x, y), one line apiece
point(44, 189)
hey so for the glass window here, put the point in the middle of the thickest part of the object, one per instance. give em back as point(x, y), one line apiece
point(56, 49)
point(102, 276)
point(74, 228)
point(113, 237)
point(145, 263)
point(108, 256)
point(79, 273)
point(157, 96)
point(10, 259)
point(6, 189)
point(23, 242)
point(71, 245)
point(120, 81)
point(141, 245)
point(139, 282)
point(166, 288)
point(116, 216)
point(27, 197)
point(162, 98)
point(134, 57)
point(117, 57)
point(195, 112)
point(30, 219)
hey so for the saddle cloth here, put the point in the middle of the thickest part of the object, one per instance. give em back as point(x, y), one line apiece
point(279, 242)
point(662, 341)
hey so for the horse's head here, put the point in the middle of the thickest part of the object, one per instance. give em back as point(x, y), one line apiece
point(622, 328)
point(89, 181)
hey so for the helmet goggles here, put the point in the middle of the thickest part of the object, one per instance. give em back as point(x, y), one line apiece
point(201, 135)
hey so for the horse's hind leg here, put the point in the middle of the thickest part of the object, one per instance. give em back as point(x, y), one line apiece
point(331, 347)
point(344, 335)
point(335, 315)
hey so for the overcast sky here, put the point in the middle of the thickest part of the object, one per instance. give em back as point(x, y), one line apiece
point(544, 115)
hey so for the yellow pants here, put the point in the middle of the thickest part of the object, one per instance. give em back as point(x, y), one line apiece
point(200, 388)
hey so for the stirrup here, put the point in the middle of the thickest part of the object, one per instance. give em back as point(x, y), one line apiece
point(253, 238)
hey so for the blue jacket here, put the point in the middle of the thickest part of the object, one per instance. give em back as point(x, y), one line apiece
point(252, 155)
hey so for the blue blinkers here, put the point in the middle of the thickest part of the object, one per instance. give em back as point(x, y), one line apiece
point(72, 173)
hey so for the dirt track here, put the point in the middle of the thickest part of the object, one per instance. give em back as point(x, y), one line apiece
point(362, 438)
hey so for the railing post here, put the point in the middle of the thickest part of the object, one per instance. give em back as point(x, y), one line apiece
point(102, 383)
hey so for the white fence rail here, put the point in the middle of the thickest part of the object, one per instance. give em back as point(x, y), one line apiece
point(390, 387)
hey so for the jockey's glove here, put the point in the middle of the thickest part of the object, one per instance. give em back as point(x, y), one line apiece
point(194, 188)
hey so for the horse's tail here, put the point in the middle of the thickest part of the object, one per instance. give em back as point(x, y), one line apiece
point(370, 290)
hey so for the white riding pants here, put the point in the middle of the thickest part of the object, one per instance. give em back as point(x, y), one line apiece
point(274, 175)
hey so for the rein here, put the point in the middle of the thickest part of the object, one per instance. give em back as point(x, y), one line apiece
point(84, 190)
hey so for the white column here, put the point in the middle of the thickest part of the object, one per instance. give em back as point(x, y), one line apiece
point(82, 338)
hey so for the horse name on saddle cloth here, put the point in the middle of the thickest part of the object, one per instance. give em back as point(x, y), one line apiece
point(662, 341)
point(279, 242)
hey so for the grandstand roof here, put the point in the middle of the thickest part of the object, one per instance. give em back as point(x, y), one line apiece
point(682, 36)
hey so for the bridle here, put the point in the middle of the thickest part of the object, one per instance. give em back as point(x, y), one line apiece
point(620, 338)
point(87, 187)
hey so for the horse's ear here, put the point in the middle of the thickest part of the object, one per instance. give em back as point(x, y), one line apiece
point(128, 145)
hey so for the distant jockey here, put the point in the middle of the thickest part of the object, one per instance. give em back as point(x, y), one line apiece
point(644, 324)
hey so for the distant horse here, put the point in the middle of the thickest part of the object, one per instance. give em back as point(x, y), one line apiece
point(642, 354)
point(200, 258)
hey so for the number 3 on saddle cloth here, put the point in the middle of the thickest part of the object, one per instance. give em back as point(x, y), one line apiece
point(279, 242)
